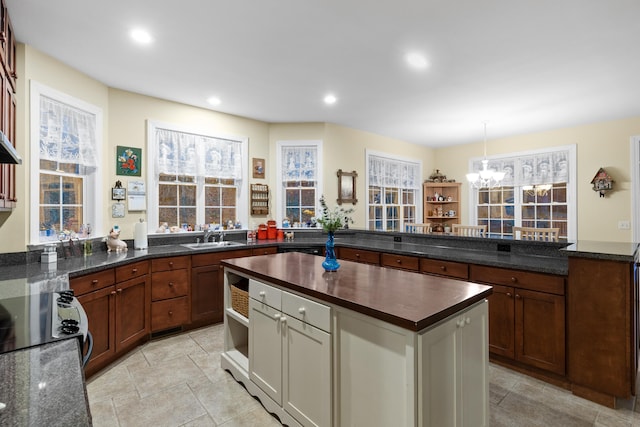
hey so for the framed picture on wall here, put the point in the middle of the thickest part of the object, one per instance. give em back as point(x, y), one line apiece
point(258, 168)
point(128, 161)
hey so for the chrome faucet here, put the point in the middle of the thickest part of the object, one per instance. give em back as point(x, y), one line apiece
point(220, 237)
point(207, 235)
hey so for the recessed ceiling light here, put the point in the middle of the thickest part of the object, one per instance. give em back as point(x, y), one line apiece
point(214, 100)
point(417, 60)
point(141, 36)
point(330, 99)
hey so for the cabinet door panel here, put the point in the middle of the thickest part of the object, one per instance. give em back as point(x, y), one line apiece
point(206, 294)
point(540, 330)
point(501, 321)
point(99, 306)
point(265, 349)
point(307, 373)
point(132, 311)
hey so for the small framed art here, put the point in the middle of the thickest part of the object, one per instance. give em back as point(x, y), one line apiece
point(258, 168)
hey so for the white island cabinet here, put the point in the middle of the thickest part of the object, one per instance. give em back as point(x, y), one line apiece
point(339, 349)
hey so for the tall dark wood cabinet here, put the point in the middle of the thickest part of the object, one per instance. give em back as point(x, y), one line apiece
point(602, 298)
point(8, 76)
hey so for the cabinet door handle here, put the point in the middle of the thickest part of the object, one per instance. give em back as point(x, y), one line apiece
point(170, 284)
point(443, 268)
point(277, 316)
point(509, 294)
point(518, 296)
point(460, 323)
point(170, 313)
point(120, 290)
point(514, 280)
point(357, 255)
point(94, 282)
point(113, 292)
point(262, 294)
point(398, 261)
point(283, 319)
point(467, 320)
point(301, 310)
point(134, 270)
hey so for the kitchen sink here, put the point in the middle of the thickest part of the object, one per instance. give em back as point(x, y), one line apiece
point(209, 245)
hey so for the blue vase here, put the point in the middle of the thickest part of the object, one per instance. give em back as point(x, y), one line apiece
point(330, 262)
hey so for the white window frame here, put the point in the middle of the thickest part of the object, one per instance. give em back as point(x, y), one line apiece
point(572, 204)
point(418, 196)
point(242, 203)
point(280, 200)
point(92, 197)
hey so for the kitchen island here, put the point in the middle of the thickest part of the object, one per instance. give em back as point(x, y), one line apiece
point(365, 345)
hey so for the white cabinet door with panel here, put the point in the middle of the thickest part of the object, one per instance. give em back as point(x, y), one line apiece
point(290, 353)
point(455, 349)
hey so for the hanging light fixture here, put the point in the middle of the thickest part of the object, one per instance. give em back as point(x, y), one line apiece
point(486, 178)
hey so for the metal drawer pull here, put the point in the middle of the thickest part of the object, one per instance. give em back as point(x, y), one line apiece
point(301, 310)
point(262, 294)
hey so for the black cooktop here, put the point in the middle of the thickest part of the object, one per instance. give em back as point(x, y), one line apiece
point(38, 319)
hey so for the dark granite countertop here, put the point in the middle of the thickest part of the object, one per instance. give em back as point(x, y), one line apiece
point(544, 257)
point(615, 251)
point(412, 301)
point(44, 386)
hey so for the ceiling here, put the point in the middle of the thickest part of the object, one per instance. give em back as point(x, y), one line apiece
point(522, 66)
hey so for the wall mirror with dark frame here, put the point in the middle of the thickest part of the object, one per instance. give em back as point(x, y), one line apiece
point(347, 187)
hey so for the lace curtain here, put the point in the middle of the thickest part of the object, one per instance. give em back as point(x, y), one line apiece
point(541, 168)
point(181, 153)
point(384, 172)
point(67, 134)
point(299, 163)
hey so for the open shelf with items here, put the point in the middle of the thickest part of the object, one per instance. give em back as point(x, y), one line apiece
point(441, 204)
point(236, 340)
point(259, 199)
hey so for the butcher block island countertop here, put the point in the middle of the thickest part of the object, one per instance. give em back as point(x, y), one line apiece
point(365, 345)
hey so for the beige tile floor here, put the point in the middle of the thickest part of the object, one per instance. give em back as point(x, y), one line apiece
point(177, 381)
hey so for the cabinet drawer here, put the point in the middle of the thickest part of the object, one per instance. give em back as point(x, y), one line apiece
point(169, 313)
point(169, 284)
point(444, 268)
point(265, 294)
point(359, 255)
point(400, 261)
point(92, 282)
point(131, 271)
point(214, 258)
point(520, 279)
point(308, 311)
point(264, 251)
point(171, 263)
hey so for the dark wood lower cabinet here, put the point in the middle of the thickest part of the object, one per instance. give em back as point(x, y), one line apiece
point(100, 308)
point(206, 294)
point(118, 313)
point(602, 308)
point(526, 325)
point(207, 280)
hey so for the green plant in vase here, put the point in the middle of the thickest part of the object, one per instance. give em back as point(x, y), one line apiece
point(332, 220)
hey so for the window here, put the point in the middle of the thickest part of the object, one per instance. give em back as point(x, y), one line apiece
point(200, 178)
point(67, 135)
point(299, 167)
point(393, 190)
point(537, 192)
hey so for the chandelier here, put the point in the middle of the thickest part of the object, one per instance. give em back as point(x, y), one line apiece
point(486, 178)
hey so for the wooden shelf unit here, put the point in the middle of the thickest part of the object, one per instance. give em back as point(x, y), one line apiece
point(259, 199)
point(436, 211)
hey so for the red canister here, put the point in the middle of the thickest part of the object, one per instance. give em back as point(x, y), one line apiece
point(262, 232)
point(272, 231)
